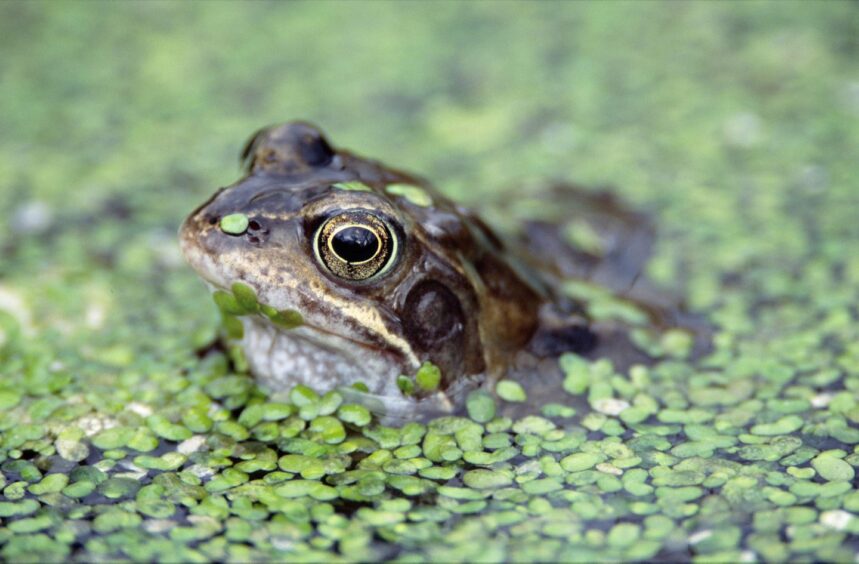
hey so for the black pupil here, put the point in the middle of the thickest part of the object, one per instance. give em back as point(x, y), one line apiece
point(355, 244)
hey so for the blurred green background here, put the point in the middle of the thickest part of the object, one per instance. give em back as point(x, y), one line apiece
point(735, 124)
point(118, 119)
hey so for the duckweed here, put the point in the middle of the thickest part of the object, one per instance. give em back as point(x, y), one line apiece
point(51, 483)
point(234, 223)
point(832, 468)
point(428, 377)
point(245, 297)
point(357, 415)
point(353, 186)
point(511, 391)
point(330, 429)
point(286, 319)
point(414, 194)
point(163, 428)
point(481, 406)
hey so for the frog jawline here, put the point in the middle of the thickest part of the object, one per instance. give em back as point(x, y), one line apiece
point(214, 284)
point(323, 360)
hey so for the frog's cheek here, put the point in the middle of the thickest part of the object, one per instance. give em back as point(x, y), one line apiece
point(434, 322)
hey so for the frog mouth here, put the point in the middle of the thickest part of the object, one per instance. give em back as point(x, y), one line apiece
point(291, 322)
point(206, 268)
point(317, 330)
point(307, 330)
point(317, 357)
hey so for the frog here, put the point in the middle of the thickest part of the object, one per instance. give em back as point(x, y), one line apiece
point(358, 276)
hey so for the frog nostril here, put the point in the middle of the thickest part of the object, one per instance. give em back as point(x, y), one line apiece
point(254, 224)
point(213, 220)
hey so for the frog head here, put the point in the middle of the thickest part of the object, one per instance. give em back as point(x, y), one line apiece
point(359, 272)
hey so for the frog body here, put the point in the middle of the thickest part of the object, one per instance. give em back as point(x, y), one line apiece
point(378, 271)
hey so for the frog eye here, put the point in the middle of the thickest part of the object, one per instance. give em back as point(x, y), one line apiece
point(355, 245)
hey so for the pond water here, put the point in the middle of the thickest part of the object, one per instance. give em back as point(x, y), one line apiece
point(734, 126)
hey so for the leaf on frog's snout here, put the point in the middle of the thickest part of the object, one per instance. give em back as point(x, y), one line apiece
point(234, 224)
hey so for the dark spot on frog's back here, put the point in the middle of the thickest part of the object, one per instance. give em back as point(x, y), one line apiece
point(577, 339)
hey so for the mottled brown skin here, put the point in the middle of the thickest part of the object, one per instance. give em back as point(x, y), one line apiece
point(453, 295)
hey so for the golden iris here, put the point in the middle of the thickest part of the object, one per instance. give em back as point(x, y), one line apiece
point(355, 245)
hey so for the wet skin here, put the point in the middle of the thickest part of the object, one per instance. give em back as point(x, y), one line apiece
point(383, 273)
